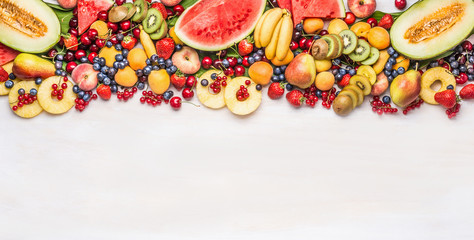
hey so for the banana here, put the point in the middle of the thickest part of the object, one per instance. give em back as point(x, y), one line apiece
point(268, 26)
point(270, 50)
point(147, 43)
point(284, 41)
point(256, 33)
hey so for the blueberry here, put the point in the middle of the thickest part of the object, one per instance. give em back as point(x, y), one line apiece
point(251, 60)
point(319, 93)
point(336, 62)
point(258, 58)
point(100, 76)
point(96, 66)
point(107, 81)
point(455, 72)
point(387, 72)
point(168, 63)
point(204, 82)
point(21, 91)
point(126, 62)
point(277, 71)
point(388, 66)
point(239, 60)
point(459, 49)
point(283, 68)
point(454, 64)
point(168, 70)
point(260, 52)
point(60, 57)
point(38, 81)
point(401, 70)
point(470, 77)
point(76, 89)
point(395, 55)
point(352, 72)
point(156, 67)
point(12, 76)
point(118, 47)
point(338, 77)
point(173, 69)
point(452, 58)
point(450, 86)
point(390, 78)
point(113, 88)
point(213, 76)
point(95, 60)
point(116, 65)
point(58, 64)
point(334, 71)
point(258, 87)
point(386, 99)
point(471, 59)
point(434, 64)
point(139, 73)
point(112, 71)
point(154, 58)
point(463, 68)
point(109, 44)
point(289, 87)
point(168, 95)
point(161, 61)
point(147, 70)
point(104, 69)
point(342, 71)
point(141, 86)
point(337, 93)
point(178, 47)
point(299, 27)
point(390, 51)
point(394, 73)
point(102, 61)
point(33, 92)
point(125, 52)
point(81, 94)
point(113, 82)
point(274, 78)
point(57, 72)
point(9, 84)
point(86, 97)
point(225, 63)
point(281, 77)
point(316, 37)
point(121, 65)
point(470, 70)
point(119, 37)
point(392, 60)
point(296, 53)
point(119, 57)
point(148, 62)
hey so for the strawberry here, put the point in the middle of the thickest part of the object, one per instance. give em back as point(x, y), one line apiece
point(245, 47)
point(165, 48)
point(104, 92)
point(447, 98)
point(129, 42)
point(3, 75)
point(344, 81)
point(70, 42)
point(295, 98)
point(161, 8)
point(276, 90)
point(467, 92)
point(386, 21)
point(178, 80)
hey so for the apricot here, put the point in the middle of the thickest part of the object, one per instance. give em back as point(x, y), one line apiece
point(313, 25)
point(324, 81)
point(159, 81)
point(379, 38)
point(126, 77)
point(336, 26)
point(361, 29)
point(137, 58)
point(261, 72)
point(109, 55)
point(322, 65)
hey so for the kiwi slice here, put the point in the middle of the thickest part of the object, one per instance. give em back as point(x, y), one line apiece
point(333, 46)
point(352, 94)
point(131, 10)
point(161, 33)
point(342, 105)
point(319, 49)
point(361, 52)
point(118, 14)
point(340, 44)
point(152, 21)
point(373, 57)
point(362, 82)
point(349, 39)
point(358, 91)
point(142, 9)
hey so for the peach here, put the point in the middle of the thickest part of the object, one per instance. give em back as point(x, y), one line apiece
point(362, 8)
point(379, 38)
point(126, 77)
point(85, 76)
point(313, 25)
point(380, 85)
point(324, 81)
point(187, 60)
point(261, 72)
point(361, 29)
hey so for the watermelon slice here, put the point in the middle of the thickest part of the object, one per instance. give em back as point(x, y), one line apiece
point(213, 25)
point(7, 54)
point(285, 4)
point(317, 8)
point(87, 11)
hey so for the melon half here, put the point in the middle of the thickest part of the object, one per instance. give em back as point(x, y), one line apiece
point(213, 25)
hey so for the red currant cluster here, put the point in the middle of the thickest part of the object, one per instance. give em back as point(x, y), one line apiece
point(59, 93)
point(151, 99)
point(380, 107)
point(126, 94)
point(217, 85)
point(311, 97)
point(23, 100)
point(242, 94)
point(81, 104)
point(453, 111)
point(415, 104)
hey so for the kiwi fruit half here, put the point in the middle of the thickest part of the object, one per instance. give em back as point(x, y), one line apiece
point(349, 39)
point(319, 49)
point(118, 14)
point(342, 105)
point(361, 52)
point(152, 21)
point(358, 91)
point(131, 10)
point(352, 94)
point(161, 33)
point(333, 46)
point(142, 9)
point(362, 82)
point(373, 57)
point(339, 44)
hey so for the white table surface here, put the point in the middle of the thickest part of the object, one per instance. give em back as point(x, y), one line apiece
point(128, 171)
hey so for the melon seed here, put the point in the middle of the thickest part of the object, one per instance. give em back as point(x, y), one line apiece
point(435, 23)
point(21, 20)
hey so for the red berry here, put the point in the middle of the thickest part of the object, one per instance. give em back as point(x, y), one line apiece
point(372, 22)
point(125, 25)
point(175, 102)
point(206, 62)
point(239, 71)
point(70, 66)
point(79, 54)
point(103, 15)
point(190, 81)
point(112, 26)
point(91, 56)
point(188, 93)
point(466, 45)
point(136, 32)
point(400, 4)
point(85, 40)
point(350, 18)
point(92, 34)
point(178, 9)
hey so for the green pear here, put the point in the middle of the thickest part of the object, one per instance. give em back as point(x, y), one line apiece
point(406, 88)
point(29, 66)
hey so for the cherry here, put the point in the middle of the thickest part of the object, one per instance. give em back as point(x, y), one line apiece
point(100, 42)
point(462, 78)
point(308, 44)
point(190, 81)
point(103, 15)
point(218, 64)
point(293, 45)
point(69, 57)
point(175, 103)
point(188, 93)
point(350, 18)
point(74, 11)
point(113, 39)
point(70, 66)
point(136, 32)
point(169, 12)
point(91, 56)
point(302, 43)
point(229, 72)
point(79, 54)
point(245, 61)
point(73, 31)
point(112, 26)
point(125, 25)
point(239, 70)
point(372, 22)
point(466, 45)
point(120, 2)
point(206, 62)
point(400, 4)
point(178, 9)
point(85, 40)
point(74, 22)
point(323, 32)
point(94, 48)
point(232, 61)
point(92, 34)
point(52, 53)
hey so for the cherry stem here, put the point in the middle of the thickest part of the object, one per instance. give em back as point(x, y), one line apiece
point(181, 101)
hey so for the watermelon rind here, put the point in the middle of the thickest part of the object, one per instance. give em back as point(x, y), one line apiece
point(215, 47)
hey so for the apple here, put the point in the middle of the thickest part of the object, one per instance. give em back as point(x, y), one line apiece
point(85, 76)
point(362, 8)
point(187, 60)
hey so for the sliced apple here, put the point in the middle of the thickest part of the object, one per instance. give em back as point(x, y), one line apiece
point(244, 107)
point(51, 104)
point(3, 90)
point(28, 110)
point(205, 94)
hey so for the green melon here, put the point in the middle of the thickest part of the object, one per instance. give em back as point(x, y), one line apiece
point(28, 25)
point(212, 25)
point(432, 27)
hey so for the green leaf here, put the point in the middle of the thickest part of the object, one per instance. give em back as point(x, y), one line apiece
point(425, 63)
point(378, 15)
point(64, 16)
point(57, 7)
point(188, 3)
